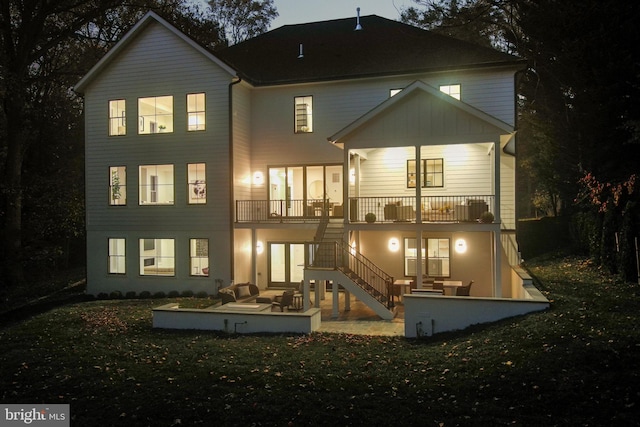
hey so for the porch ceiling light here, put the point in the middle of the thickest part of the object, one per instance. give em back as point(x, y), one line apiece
point(394, 244)
point(259, 247)
point(461, 246)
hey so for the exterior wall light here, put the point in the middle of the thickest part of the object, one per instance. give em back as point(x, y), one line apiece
point(258, 178)
point(259, 247)
point(394, 244)
point(461, 246)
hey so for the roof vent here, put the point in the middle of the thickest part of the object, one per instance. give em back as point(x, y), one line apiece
point(358, 26)
point(301, 54)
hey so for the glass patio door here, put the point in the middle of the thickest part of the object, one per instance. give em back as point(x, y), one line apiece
point(286, 264)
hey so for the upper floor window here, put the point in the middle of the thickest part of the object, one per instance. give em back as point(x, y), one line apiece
point(195, 112)
point(451, 90)
point(438, 257)
point(118, 185)
point(116, 256)
point(155, 114)
point(431, 173)
point(304, 114)
point(197, 183)
point(393, 92)
point(156, 185)
point(117, 118)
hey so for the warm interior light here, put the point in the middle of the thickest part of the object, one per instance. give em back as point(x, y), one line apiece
point(461, 246)
point(353, 248)
point(259, 247)
point(258, 178)
point(394, 244)
point(352, 176)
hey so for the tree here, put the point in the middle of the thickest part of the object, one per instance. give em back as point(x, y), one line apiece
point(242, 19)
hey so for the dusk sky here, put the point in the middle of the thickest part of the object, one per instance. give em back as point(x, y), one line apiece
point(301, 11)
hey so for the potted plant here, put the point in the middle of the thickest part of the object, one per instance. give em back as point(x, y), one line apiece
point(370, 217)
point(486, 217)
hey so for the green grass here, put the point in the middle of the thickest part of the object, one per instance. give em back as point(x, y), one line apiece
point(576, 364)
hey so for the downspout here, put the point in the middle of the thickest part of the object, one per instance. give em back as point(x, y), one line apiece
point(237, 79)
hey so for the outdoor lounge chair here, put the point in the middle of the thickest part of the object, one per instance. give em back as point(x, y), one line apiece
point(463, 291)
point(284, 300)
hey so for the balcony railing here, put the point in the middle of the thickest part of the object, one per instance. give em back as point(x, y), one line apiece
point(386, 209)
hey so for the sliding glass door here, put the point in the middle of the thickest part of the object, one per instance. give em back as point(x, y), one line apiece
point(286, 264)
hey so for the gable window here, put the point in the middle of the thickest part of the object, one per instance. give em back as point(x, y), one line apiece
point(451, 90)
point(195, 112)
point(304, 114)
point(431, 173)
point(117, 256)
point(157, 257)
point(118, 185)
point(199, 257)
point(435, 257)
point(394, 92)
point(156, 185)
point(117, 118)
point(155, 114)
point(197, 183)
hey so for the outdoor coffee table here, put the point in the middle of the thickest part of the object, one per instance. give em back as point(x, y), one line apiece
point(243, 306)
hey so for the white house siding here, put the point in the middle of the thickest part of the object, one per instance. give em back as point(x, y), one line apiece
point(507, 191)
point(242, 168)
point(157, 63)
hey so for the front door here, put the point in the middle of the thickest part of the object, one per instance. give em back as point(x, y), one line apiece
point(286, 264)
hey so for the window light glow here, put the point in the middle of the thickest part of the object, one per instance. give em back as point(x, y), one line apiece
point(259, 247)
point(394, 244)
point(461, 246)
point(258, 178)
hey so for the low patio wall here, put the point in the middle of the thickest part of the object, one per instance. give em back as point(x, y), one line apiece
point(170, 316)
point(426, 315)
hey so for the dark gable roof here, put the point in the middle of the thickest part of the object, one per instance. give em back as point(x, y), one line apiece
point(333, 50)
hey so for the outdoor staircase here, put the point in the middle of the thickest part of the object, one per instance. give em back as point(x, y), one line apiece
point(335, 260)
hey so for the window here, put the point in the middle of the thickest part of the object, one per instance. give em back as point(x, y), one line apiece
point(195, 112)
point(393, 92)
point(304, 114)
point(117, 118)
point(118, 185)
point(199, 256)
point(117, 256)
point(157, 257)
point(436, 254)
point(431, 173)
point(155, 114)
point(451, 90)
point(156, 185)
point(197, 183)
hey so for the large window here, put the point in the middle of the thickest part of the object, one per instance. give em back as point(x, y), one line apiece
point(435, 257)
point(157, 257)
point(304, 114)
point(155, 114)
point(118, 185)
point(197, 183)
point(199, 257)
point(431, 173)
point(195, 112)
point(156, 185)
point(117, 256)
point(451, 90)
point(117, 118)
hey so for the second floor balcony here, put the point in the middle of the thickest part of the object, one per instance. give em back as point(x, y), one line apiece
point(387, 209)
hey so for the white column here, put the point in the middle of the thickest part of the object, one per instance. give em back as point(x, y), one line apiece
point(336, 300)
point(497, 274)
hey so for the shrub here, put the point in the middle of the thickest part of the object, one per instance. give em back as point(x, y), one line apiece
point(173, 294)
point(115, 295)
point(103, 295)
point(487, 217)
point(130, 295)
point(145, 295)
point(202, 294)
point(159, 295)
point(187, 294)
point(370, 217)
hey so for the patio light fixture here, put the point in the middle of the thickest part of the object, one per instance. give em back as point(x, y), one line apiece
point(394, 244)
point(461, 246)
point(258, 178)
point(259, 247)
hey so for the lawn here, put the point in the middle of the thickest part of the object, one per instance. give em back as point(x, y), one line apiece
point(575, 364)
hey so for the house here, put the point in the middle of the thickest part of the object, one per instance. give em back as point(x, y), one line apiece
point(265, 162)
